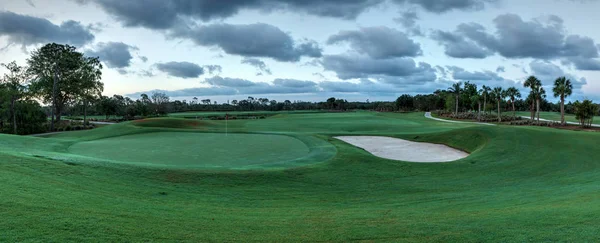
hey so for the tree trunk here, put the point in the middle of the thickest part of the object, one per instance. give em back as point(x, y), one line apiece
point(484, 102)
point(514, 112)
point(479, 111)
point(538, 109)
point(499, 119)
point(84, 112)
point(456, 113)
point(14, 114)
point(58, 111)
point(562, 110)
point(532, 110)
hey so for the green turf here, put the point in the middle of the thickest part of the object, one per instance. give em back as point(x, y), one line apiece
point(182, 149)
point(519, 184)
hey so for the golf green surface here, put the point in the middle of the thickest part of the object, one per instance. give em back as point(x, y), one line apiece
point(518, 184)
point(195, 149)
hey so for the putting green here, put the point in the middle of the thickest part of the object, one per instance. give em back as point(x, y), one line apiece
point(183, 149)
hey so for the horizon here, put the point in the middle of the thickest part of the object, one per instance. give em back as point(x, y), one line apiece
point(361, 50)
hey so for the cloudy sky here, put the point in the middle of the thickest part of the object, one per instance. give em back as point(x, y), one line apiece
point(314, 49)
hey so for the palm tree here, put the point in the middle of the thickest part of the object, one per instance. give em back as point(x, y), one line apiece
point(498, 94)
point(477, 98)
point(513, 93)
point(534, 84)
point(562, 88)
point(485, 92)
point(540, 94)
point(456, 90)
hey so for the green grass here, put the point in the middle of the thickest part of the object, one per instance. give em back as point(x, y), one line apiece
point(554, 116)
point(201, 114)
point(519, 184)
point(215, 150)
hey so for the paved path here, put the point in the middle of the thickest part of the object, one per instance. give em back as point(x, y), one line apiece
point(546, 120)
point(428, 115)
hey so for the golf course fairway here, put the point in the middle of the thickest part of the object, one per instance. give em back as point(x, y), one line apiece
point(143, 182)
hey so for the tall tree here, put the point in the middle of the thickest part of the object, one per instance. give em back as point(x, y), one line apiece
point(562, 88)
point(476, 98)
point(72, 69)
point(485, 92)
point(456, 89)
point(534, 84)
point(539, 94)
point(498, 94)
point(15, 81)
point(513, 93)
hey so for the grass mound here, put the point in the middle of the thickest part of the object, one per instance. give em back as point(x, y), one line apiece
point(170, 123)
point(195, 150)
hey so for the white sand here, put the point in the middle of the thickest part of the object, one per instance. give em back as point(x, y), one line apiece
point(399, 149)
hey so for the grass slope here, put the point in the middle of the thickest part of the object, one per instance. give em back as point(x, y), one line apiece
point(519, 184)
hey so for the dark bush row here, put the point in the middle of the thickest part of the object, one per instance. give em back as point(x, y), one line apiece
point(535, 123)
point(473, 116)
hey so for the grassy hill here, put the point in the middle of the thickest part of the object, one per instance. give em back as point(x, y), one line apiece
point(519, 184)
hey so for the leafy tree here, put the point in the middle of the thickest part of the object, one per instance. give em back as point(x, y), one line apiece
point(534, 84)
point(512, 94)
point(14, 81)
point(331, 102)
point(585, 111)
point(161, 101)
point(405, 102)
point(456, 89)
point(469, 90)
point(498, 94)
point(74, 74)
point(562, 88)
point(476, 98)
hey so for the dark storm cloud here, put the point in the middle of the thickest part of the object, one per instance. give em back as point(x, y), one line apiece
point(392, 70)
point(113, 54)
point(252, 40)
point(587, 64)
point(181, 69)
point(28, 30)
point(408, 19)
point(458, 46)
point(514, 38)
point(547, 72)
point(461, 74)
point(484, 77)
point(378, 42)
point(258, 64)
point(213, 69)
point(441, 6)
point(164, 14)
point(293, 83)
point(279, 86)
point(229, 82)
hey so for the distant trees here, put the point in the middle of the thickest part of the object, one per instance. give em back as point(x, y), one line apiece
point(562, 88)
point(405, 102)
point(14, 83)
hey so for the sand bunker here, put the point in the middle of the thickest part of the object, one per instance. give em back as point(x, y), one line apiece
point(399, 149)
